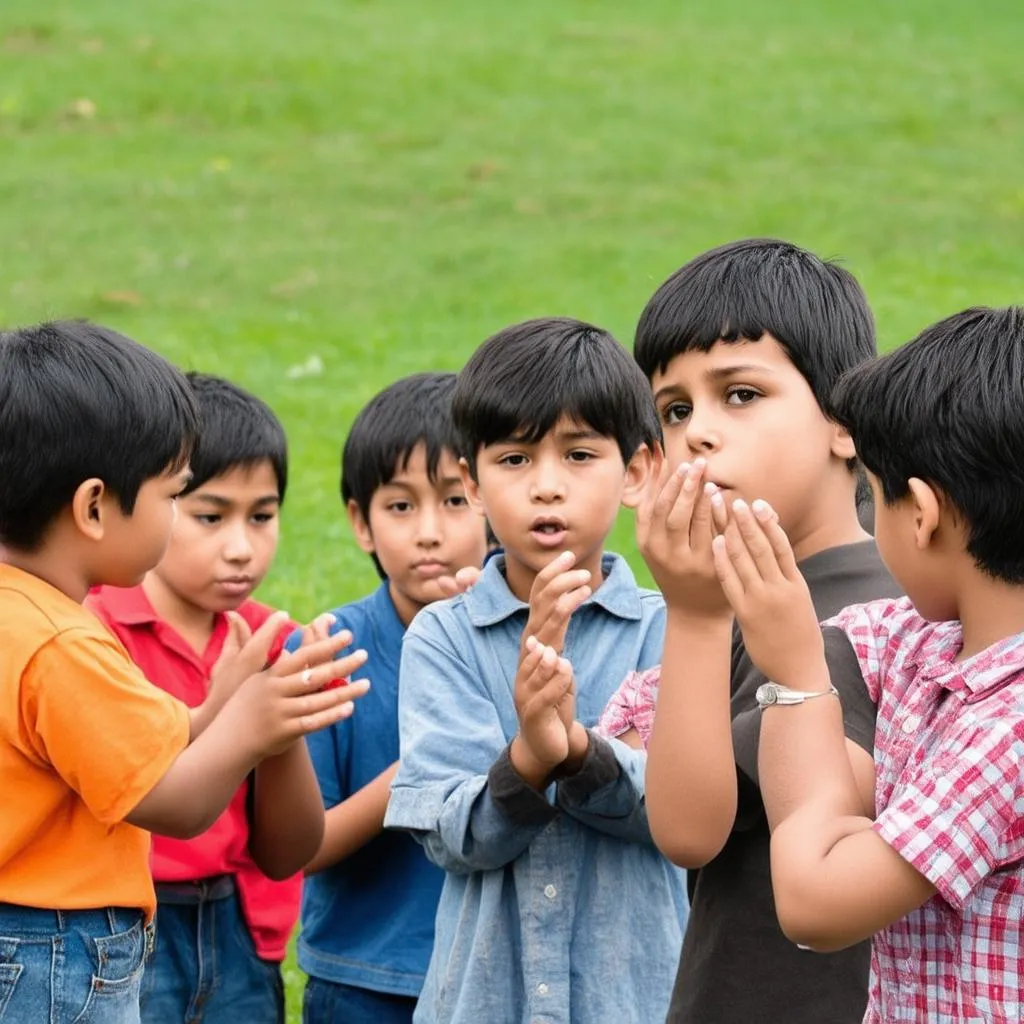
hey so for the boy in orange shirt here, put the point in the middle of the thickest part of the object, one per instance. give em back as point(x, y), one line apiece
point(224, 915)
point(95, 436)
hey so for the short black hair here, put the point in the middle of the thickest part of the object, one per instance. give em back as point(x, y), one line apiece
point(414, 410)
point(741, 291)
point(78, 400)
point(237, 429)
point(522, 380)
point(948, 408)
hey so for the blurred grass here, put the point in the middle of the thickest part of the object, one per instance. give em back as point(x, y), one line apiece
point(376, 187)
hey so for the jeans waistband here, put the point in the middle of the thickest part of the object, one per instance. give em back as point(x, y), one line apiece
point(43, 921)
point(202, 890)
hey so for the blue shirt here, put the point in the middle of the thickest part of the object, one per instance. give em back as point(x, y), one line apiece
point(369, 920)
point(556, 907)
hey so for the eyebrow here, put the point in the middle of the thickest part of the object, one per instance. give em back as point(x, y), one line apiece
point(717, 373)
point(219, 501)
point(443, 481)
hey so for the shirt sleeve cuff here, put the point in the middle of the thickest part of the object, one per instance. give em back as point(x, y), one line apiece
point(600, 768)
point(518, 801)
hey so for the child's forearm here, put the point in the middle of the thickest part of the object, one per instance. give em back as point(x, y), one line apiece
point(803, 756)
point(287, 824)
point(691, 771)
point(350, 825)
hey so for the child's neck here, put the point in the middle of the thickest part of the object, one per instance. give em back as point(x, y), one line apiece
point(836, 524)
point(192, 623)
point(990, 611)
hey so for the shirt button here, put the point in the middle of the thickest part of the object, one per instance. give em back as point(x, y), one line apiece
point(910, 724)
point(550, 891)
point(542, 989)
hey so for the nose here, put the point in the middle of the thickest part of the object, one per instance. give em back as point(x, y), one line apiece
point(703, 433)
point(237, 545)
point(428, 527)
point(547, 482)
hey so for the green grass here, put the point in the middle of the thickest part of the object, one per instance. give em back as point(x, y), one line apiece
point(381, 185)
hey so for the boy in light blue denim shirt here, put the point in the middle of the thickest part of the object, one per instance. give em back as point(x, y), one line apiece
point(556, 906)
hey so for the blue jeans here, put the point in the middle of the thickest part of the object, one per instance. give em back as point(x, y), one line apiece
point(204, 969)
point(71, 966)
point(327, 1002)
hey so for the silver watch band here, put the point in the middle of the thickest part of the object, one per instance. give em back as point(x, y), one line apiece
point(773, 695)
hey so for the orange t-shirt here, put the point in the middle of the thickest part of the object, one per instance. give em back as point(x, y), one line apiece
point(83, 738)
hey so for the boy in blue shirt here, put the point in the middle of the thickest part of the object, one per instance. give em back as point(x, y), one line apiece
point(370, 899)
point(556, 905)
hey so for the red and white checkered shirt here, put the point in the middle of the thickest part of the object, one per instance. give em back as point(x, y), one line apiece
point(949, 793)
point(632, 706)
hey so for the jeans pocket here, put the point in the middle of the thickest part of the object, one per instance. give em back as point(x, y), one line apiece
point(10, 972)
point(117, 977)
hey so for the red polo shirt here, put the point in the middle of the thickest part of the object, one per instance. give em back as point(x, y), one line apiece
point(270, 908)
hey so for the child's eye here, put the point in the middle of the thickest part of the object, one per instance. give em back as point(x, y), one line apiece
point(262, 518)
point(512, 459)
point(741, 396)
point(580, 456)
point(457, 501)
point(675, 412)
point(207, 518)
point(399, 506)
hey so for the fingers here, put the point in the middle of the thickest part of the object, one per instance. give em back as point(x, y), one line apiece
point(554, 568)
point(452, 586)
point(732, 587)
point(314, 711)
point(316, 652)
point(762, 557)
point(773, 531)
point(719, 511)
point(553, 628)
point(316, 677)
point(660, 471)
point(239, 633)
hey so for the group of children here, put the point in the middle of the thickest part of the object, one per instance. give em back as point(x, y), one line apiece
point(775, 789)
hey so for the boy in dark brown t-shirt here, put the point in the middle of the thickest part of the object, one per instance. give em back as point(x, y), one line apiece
point(742, 347)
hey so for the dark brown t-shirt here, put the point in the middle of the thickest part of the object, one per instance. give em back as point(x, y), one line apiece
point(736, 964)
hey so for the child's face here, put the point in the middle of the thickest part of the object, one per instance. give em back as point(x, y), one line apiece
point(224, 539)
point(751, 414)
point(134, 544)
point(561, 493)
point(420, 529)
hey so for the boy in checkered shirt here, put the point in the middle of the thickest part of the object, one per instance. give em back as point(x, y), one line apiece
point(931, 863)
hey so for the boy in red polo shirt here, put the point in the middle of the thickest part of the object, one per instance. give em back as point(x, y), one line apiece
point(222, 923)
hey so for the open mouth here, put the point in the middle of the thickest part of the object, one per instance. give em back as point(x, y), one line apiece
point(549, 531)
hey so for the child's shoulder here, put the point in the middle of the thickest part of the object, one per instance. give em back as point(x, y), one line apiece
point(33, 612)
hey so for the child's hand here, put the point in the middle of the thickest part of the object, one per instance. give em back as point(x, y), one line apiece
point(675, 524)
point(452, 586)
point(542, 682)
point(769, 595)
point(320, 629)
point(557, 591)
point(293, 697)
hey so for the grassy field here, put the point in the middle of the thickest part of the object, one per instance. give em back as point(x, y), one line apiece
point(319, 196)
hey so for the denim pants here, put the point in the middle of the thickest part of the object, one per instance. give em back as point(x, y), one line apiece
point(327, 1002)
point(71, 966)
point(204, 968)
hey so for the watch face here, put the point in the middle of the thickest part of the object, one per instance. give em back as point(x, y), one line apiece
point(767, 694)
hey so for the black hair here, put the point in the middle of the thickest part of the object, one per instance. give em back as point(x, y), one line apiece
point(948, 408)
point(78, 401)
point(237, 429)
point(521, 381)
point(414, 410)
point(814, 308)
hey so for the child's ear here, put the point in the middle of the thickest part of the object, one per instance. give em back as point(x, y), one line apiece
point(638, 471)
point(360, 527)
point(88, 507)
point(927, 507)
point(472, 489)
point(842, 443)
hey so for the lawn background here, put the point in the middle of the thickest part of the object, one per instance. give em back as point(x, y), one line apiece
point(315, 197)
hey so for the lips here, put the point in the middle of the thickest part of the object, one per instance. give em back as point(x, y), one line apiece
point(235, 585)
point(549, 531)
point(430, 568)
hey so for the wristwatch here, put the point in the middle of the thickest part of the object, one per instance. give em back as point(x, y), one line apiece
point(770, 694)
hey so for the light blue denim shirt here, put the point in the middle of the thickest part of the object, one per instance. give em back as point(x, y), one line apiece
point(556, 907)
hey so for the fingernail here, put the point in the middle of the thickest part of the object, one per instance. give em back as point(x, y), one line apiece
point(716, 499)
point(565, 556)
point(762, 509)
point(360, 654)
point(739, 505)
point(699, 463)
point(531, 643)
point(684, 468)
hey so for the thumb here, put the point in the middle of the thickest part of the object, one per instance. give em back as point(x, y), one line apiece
point(254, 651)
point(237, 636)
